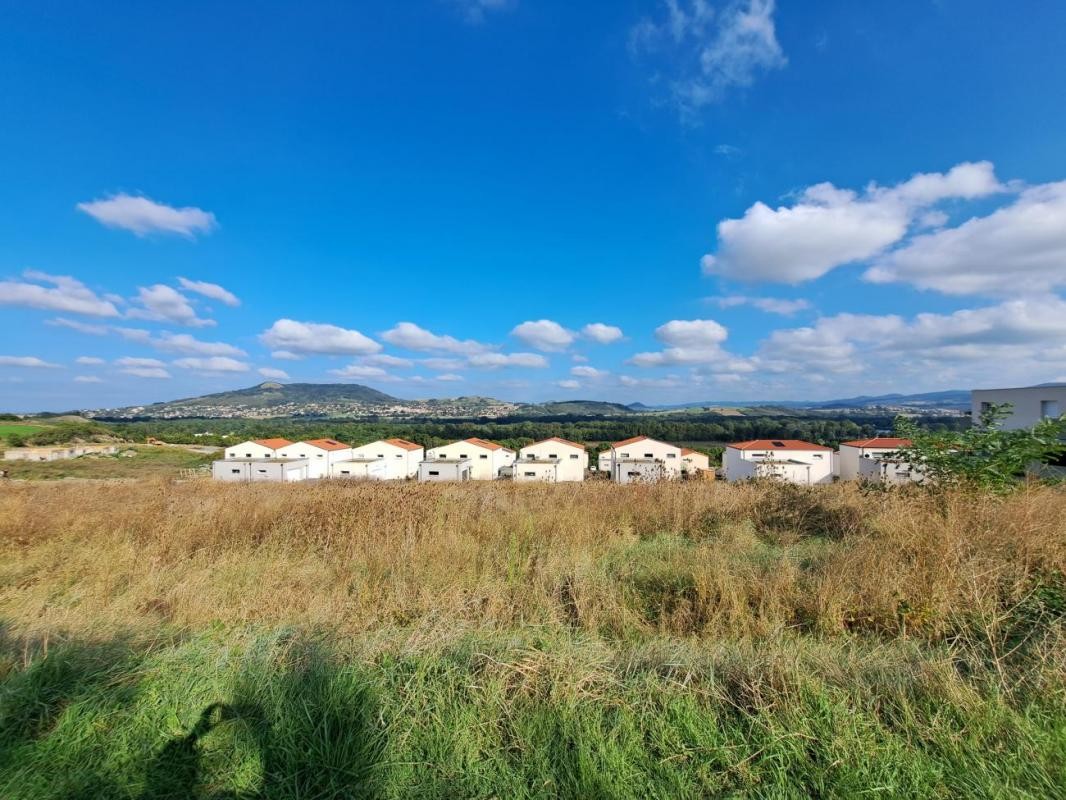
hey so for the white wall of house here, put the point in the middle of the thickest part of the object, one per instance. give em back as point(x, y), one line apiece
point(1029, 404)
point(603, 461)
point(536, 471)
point(485, 462)
point(850, 458)
point(876, 470)
point(401, 463)
point(440, 470)
point(250, 450)
point(367, 469)
point(572, 458)
point(634, 470)
point(251, 470)
point(806, 467)
point(318, 458)
point(692, 461)
point(623, 454)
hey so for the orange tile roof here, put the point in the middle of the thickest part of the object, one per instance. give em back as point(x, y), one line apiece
point(560, 440)
point(404, 444)
point(273, 444)
point(485, 444)
point(880, 441)
point(688, 451)
point(634, 440)
point(327, 444)
point(777, 444)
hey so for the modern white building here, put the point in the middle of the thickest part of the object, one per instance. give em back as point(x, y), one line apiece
point(535, 461)
point(251, 470)
point(852, 454)
point(1029, 404)
point(603, 461)
point(642, 459)
point(487, 459)
point(401, 457)
point(320, 454)
point(692, 461)
point(789, 460)
point(445, 469)
point(887, 469)
point(366, 469)
point(257, 448)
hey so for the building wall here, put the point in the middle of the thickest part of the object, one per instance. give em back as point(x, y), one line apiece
point(850, 459)
point(400, 463)
point(694, 461)
point(485, 465)
point(537, 472)
point(438, 471)
point(668, 454)
point(1029, 404)
point(626, 471)
point(892, 472)
point(318, 460)
point(233, 471)
point(58, 453)
point(360, 470)
point(250, 450)
point(737, 465)
point(573, 461)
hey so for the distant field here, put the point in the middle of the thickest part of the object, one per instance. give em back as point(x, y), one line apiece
point(690, 640)
point(7, 428)
point(147, 463)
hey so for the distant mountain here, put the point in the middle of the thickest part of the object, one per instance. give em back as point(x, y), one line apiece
point(952, 398)
point(577, 408)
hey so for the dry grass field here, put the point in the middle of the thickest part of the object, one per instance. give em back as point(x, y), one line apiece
point(481, 640)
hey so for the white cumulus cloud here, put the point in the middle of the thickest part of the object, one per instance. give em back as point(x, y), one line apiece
point(602, 334)
point(30, 362)
point(210, 290)
point(410, 336)
point(544, 334)
point(497, 360)
point(189, 345)
point(88, 360)
point(87, 379)
point(588, 372)
point(212, 364)
point(144, 216)
point(165, 304)
point(568, 384)
point(771, 305)
point(273, 373)
point(55, 293)
point(293, 338)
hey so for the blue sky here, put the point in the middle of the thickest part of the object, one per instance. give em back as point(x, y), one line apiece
point(654, 201)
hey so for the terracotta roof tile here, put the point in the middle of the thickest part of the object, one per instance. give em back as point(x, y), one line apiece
point(879, 441)
point(777, 444)
point(487, 445)
point(273, 444)
point(404, 444)
point(560, 440)
point(327, 444)
point(633, 440)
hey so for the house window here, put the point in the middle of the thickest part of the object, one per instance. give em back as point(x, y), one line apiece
point(247, 455)
point(985, 407)
point(381, 456)
point(268, 455)
point(530, 474)
point(553, 455)
point(442, 455)
point(817, 455)
point(575, 455)
point(434, 472)
point(671, 455)
point(262, 471)
point(1049, 408)
point(478, 456)
point(235, 471)
point(462, 455)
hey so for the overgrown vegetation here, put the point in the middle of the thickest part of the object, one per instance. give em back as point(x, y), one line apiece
point(131, 463)
point(677, 640)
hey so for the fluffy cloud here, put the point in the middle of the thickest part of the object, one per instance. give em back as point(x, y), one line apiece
point(411, 337)
point(143, 216)
point(771, 305)
point(210, 290)
point(30, 362)
point(446, 364)
point(213, 364)
point(497, 360)
point(386, 360)
point(294, 338)
point(59, 293)
point(544, 334)
point(602, 334)
point(709, 53)
point(272, 372)
point(649, 383)
point(87, 379)
point(361, 371)
point(165, 304)
point(588, 372)
point(1020, 248)
point(568, 384)
point(188, 345)
point(142, 367)
point(689, 341)
point(80, 327)
point(829, 227)
point(88, 360)
point(450, 377)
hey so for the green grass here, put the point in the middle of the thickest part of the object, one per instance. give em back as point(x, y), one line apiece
point(516, 715)
point(148, 462)
point(19, 428)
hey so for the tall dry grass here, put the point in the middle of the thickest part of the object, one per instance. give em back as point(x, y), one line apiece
point(692, 559)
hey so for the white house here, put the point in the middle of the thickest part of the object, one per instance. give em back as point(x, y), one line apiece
point(789, 460)
point(852, 454)
point(692, 461)
point(1029, 404)
point(445, 469)
point(603, 461)
point(356, 468)
point(257, 448)
point(642, 459)
point(251, 470)
point(487, 459)
point(320, 455)
point(888, 469)
point(535, 461)
point(401, 457)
